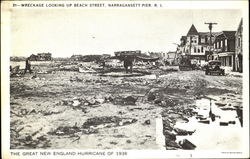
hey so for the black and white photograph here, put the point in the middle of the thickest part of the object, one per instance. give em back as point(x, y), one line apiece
point(126, 76)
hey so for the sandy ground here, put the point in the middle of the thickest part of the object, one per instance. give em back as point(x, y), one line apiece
point(67, 109)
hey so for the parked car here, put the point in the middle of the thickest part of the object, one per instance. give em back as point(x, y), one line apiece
point(214, 67)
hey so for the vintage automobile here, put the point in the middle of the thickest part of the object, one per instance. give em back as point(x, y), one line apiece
point(214, 67)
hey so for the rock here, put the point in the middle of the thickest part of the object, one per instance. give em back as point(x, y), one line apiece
point(187, 145)
point(128, 141)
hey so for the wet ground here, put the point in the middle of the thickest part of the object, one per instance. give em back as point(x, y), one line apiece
point(62, 108)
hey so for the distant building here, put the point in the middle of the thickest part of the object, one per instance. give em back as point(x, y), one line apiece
point(195, 45)
point(127, 53)
point(171, 58)
point(160, 55)
point(224, 48)
point(76, 57)
point(238, 47)
point(41, 57)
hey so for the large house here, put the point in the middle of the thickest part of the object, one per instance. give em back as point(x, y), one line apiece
point(224, 49)
point(196, 45)
point(238, 47)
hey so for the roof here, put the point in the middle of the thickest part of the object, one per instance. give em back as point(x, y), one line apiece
point(192, 31)
point(229, 34)
point(239, 29)
point(208, 33)
point(183, 37)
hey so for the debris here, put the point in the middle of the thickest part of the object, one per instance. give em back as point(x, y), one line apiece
point(172, 144)
point(169, 135)
point(221, 104)
point(129, 100)
point(67, 130)
point(183, 132)
point(76, 103)
point(223, 123)
point(227, 108)
point(231, 122)
point(204, 121)
point(147, 122)
point(151, 96)
point(107, 121)
point(187, 145)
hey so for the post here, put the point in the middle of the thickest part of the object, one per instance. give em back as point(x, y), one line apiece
point(210, 26)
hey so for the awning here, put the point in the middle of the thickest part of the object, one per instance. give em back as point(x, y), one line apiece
point(225, 54)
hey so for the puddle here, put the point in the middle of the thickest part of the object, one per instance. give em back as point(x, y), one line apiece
point(223, 131)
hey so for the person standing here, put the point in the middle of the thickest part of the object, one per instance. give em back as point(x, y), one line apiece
point(128, 63)
point(27, 66)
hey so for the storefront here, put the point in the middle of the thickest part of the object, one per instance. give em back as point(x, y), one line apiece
point(227, 59)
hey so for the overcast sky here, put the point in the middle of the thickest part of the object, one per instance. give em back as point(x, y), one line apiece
point(97, 31)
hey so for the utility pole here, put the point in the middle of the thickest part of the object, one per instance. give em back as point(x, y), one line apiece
point(210, 26)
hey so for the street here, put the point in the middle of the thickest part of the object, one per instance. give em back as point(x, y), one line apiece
point(72, 110)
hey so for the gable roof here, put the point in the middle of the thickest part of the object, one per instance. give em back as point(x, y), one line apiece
point(229, 34)
point(192, 31)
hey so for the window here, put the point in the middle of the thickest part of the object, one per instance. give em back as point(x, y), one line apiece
point(194, 49)
point(218, 45)
point(221, 43)
point(202, 49)
point(199, 50)
point(239, 42)
point(225, 42)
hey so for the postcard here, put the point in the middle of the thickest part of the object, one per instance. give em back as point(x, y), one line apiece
point(125, 79)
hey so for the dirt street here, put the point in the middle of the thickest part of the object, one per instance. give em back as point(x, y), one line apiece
point(68, 109)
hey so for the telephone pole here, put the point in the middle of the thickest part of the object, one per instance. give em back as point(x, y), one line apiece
point(210, 26)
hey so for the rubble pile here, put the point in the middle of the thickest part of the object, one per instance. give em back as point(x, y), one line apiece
point(108, 121)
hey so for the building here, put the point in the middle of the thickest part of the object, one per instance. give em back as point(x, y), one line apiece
point(160, 55)
point(76, 57)
point(224, 49)
point(238, 47)
point(41, 57)
point(127, 53)
point(196, 45)
point(171, 58)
